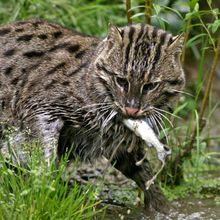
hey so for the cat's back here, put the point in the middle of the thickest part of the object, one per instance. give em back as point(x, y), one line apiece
point(35, 53)
point(25, 44)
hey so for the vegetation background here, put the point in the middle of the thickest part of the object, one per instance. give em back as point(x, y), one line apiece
point(195, 136)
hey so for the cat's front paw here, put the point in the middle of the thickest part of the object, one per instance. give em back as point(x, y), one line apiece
point(154, 199)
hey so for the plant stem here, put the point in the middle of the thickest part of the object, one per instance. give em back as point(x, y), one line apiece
point(176, 164)
point(148, 11)
point(186, 37)
point(210, 80)
point(207, 93)
point(128, 11)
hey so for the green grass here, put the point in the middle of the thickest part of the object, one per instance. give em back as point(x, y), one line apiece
point(91, 17)
point(38, 192)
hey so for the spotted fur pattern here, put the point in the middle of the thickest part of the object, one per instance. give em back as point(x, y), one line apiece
point(65, 87)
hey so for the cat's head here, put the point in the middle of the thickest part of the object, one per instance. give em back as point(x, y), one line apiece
point(139, 66)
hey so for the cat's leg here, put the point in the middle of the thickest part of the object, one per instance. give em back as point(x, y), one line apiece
point(42, 130)
point(13, 145)
point(47, 130)
point(125, 162)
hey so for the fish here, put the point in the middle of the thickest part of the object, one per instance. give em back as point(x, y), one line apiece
point(143, 130)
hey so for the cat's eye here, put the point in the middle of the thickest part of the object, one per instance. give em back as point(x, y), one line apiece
point(122, 83)
point(148, 87)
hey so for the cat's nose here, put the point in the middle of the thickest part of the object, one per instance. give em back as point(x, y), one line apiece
point(131, 111)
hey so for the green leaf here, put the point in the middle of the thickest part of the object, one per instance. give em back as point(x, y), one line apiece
point(209, 2)
point(193, 3)
point(137, 7)
point(157, 8)
point(215, 12)
point(174, 11)
point(192, 14)
point(188, 15)
point(196, 8)
point(194, 39)
point(214, 26)
point(25, 192)
point(161, 21)
point(138, 15)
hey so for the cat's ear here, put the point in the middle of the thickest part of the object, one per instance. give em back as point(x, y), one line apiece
point(176, 44)
point(114, 35)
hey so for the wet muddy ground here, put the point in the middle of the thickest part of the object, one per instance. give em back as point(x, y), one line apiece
point(120, 195)
point(184, 209)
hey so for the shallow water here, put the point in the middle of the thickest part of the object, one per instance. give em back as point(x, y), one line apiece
point(186, 209)
point(119, 194)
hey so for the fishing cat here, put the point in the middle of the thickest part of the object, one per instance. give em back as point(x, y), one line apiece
point(65, 87)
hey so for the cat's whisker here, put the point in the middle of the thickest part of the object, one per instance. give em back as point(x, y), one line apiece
point(159, 120)
point(108, 118)
point(162, 115)
point(114, 153)
point(93, 105)
point(183, 92)
point(164, 111)
point(154, 123)
point(94, 125)
point(104, 113)
point(89, 129)
point(102, 108)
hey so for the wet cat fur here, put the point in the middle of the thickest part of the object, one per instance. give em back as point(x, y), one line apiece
point(65, 87)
